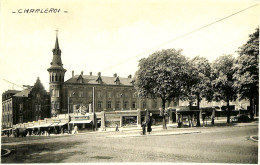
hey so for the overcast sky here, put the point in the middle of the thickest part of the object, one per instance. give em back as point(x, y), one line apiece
point(95, 35)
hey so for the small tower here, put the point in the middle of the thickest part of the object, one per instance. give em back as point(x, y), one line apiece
point(56, 74)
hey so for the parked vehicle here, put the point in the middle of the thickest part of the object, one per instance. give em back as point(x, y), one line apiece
point(241, 118)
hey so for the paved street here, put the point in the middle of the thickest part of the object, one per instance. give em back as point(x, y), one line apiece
point(219, 144)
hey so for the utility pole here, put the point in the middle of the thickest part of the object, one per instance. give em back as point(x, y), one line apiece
point(94, 113)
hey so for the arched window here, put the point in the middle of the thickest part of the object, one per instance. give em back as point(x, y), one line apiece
point(52, 78)
point(60, 78)
point(56, 78)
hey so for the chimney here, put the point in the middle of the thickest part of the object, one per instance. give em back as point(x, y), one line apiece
point(90, 73)
point(73, 73)
point(130, 76)
point(99, 73)
point(81, 73)
point(115, 75)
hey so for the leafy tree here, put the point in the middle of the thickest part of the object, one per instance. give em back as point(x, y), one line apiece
point(199, 82)
point(247, 71)
point(222, 74)
point(162, 74)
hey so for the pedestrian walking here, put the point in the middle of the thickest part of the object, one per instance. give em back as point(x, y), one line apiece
point(62, 130)
point(117, 128)
point(144, 127)
point(49, 131)
point(76, 129)
point(149, 125)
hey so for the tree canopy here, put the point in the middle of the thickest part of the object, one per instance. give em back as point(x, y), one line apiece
point(162, 75)
point(247, 69)
point(222, 75)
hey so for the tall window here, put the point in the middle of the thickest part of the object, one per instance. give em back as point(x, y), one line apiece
point(20, 119)
point(125, 104)
point(58, 105)
point(52, 104)
point(57, 93)
point(154, 103)
point(118, 104)
point(99, 94)
point(99, 104)
point(144, 104)
point(80, 93)
point(125, 94)
point(90, 94)
point(109, 95)
point(134, 104)
point(109, 104)
point(117, 94)
point(20, 107)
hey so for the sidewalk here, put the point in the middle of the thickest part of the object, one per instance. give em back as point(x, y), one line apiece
point(171, 129)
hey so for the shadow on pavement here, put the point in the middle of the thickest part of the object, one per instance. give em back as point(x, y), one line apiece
point(39, 153)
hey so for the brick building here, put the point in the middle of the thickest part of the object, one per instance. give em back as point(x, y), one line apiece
point(30, 104)
point(8, 114)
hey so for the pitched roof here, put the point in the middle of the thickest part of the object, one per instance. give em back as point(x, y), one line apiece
point(11, 91)
point(23, 93)
point(90, 79)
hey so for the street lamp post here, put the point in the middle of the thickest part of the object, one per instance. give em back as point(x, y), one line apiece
point(94, 113)
point(68, 114)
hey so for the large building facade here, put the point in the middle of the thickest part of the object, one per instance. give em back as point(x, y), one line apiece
point(104, 93)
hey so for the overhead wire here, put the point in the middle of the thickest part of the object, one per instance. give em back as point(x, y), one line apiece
point(181, 36)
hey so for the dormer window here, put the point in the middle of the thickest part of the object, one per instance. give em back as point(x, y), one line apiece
point(99, 80)
point(117, 81)
point(80, 79)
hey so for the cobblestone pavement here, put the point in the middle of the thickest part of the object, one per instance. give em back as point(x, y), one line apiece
point(225, 144)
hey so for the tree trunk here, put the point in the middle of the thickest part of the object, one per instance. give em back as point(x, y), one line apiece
point(198, 112)
point(251, 109)
point(228, 112)
point(163, 108)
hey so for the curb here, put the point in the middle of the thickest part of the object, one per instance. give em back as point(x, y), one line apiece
point(156, 134)
point(7, 153)
point(252, 138)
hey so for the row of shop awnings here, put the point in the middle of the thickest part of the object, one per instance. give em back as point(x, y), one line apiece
point(61, 124)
